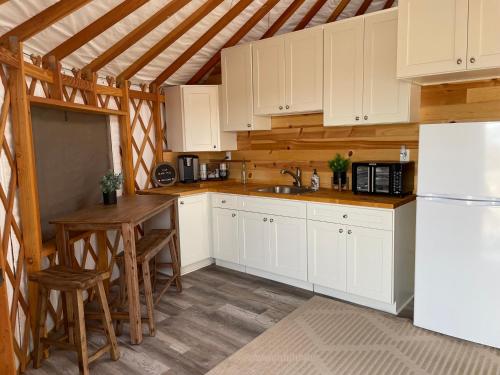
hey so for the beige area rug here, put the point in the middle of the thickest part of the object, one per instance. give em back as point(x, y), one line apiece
point(324, 336)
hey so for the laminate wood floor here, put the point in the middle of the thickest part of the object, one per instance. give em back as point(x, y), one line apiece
point(218, 312)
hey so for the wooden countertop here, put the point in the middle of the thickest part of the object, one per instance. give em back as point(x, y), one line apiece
point(321, 196)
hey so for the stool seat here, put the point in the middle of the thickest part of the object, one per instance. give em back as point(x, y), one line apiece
point(151, 244)
point(67, 279)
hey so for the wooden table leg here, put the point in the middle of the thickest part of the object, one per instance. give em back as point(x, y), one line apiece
point(102, 256)
point(132, 277)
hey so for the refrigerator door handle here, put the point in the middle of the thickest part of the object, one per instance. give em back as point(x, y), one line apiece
point(460, 202)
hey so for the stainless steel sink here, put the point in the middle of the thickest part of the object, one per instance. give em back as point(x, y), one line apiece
point(283, 189)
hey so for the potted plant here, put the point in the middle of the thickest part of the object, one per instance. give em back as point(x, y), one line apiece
point(110, 183)
point(339, 165)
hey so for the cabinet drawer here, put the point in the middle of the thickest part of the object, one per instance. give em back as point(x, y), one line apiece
point(349, 215)
point(272, 206)
point(225, 201)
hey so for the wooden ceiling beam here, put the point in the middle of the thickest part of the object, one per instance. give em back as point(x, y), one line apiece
point(170, 38)
point(273, 29)
point(215, 59)
point(388, 4)
point(95, 28)
point(338, 10)
point(364, 7)
point(310, 15)
point(42, 20)
point(135, 35)
point(204, 39)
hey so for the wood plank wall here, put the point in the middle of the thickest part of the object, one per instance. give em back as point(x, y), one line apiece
point(303, 141)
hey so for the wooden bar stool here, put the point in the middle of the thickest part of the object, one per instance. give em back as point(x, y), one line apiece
point(71, 283)
point(147, 248)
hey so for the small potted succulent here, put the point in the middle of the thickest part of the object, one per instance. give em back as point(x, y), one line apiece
point(110, 183)
point(339, 165)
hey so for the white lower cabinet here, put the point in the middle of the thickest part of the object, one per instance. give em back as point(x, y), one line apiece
point(327, 254)
point(288, 247)
point(369, 263)
point(225, 235)
point(194, 234)
point(253, 232)
point(362, 255)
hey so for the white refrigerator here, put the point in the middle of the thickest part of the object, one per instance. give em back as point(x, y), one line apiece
point(457, 265)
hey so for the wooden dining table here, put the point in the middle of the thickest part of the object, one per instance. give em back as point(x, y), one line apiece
point(129, 212)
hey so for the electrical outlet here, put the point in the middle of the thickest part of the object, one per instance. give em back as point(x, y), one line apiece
point(404, 155)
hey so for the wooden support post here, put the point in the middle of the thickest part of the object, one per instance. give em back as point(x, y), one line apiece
point(126, 142)
point(92, 95)
point(56, 89)
point(26, 175)
point(158, 124)
point(6, 339)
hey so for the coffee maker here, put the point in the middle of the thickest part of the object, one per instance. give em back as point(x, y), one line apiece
point(189, 168)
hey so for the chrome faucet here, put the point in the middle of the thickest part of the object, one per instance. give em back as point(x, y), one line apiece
point(297, 176)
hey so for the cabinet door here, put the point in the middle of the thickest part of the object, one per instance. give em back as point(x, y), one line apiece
point(304, 71)
point(268, 76)
point(201, 117)
point(288, 242)
point(432, 37)
point(225, 235)
point(369, 263)
point(484, 31)
point(237, 95)
point(343, 72)
point(326, 243)
point(385, 98)
point(253, 233)
point(194, 226)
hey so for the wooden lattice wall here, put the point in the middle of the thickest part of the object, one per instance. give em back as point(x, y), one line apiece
point(137, 136)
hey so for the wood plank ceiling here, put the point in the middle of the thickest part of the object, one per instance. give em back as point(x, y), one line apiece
point(150, 41)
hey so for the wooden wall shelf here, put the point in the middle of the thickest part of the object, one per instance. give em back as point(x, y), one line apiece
point(75, 107)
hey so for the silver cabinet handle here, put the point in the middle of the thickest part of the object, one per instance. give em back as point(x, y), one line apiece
point(233, 215)
point(181, 202)
point(349, 231)
point(265, 219)
point(366, 117)
point(459, 61)
point(341, 231)
point(271, 220)
point(345, 216)
point(249, 125)
point(223, 201)
point(280, 107)
point(287, 106)
point(357, 118)
point(472, 60)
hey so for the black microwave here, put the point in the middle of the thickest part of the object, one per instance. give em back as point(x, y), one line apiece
point(389, 178)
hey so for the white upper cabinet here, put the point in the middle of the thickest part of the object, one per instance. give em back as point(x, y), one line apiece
point(304, 71)
point(385, 98)
point(288, 73)
point(360, 85)
point(484, 34)
point(343, 86)
point(269, 76)
point(448, 40)
point(192, 113)
point(237, 91)
point(432, 37)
